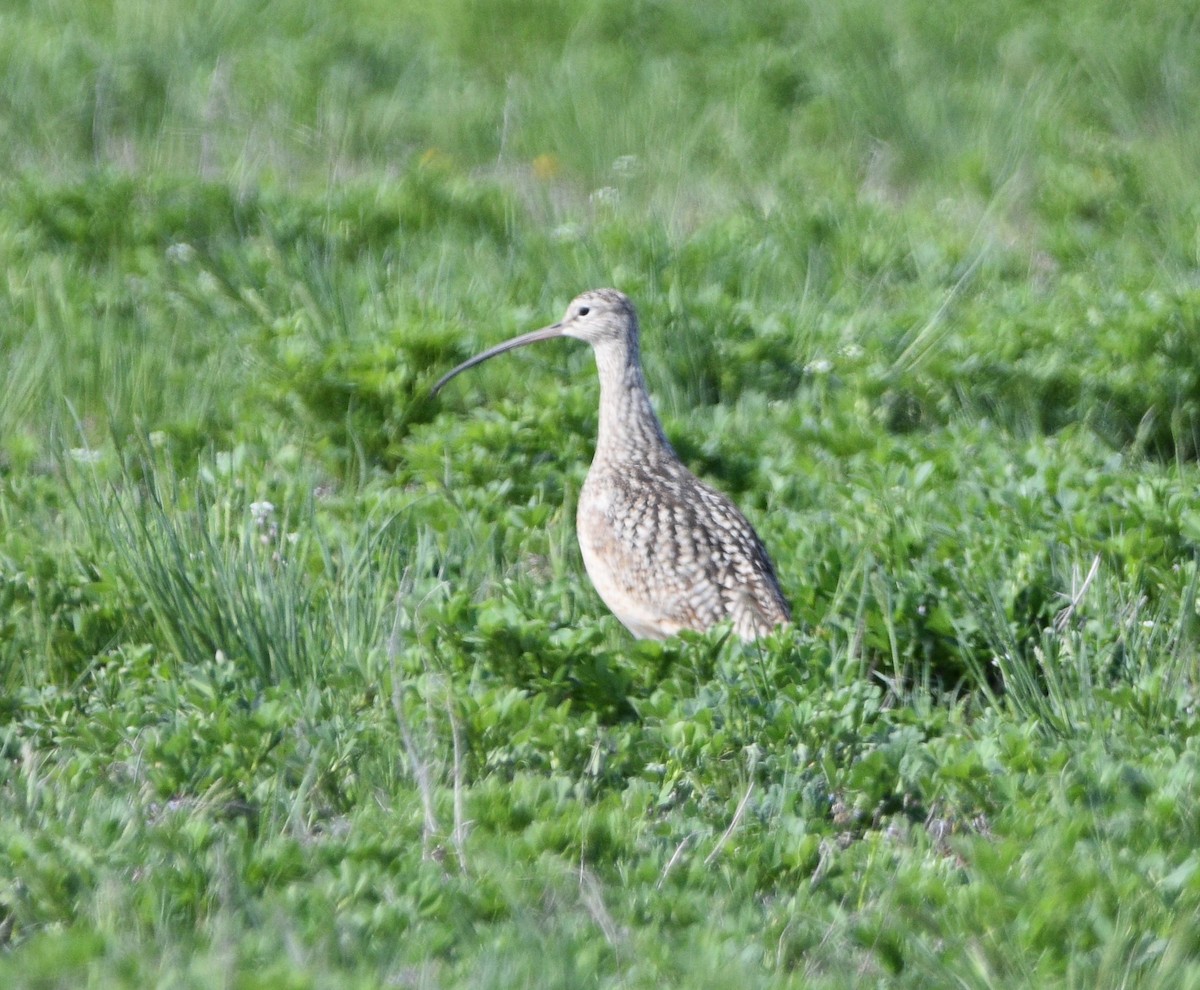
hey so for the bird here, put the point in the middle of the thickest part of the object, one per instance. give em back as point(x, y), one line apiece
point(665, 551)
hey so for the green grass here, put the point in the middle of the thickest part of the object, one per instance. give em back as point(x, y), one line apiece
point(301, 681)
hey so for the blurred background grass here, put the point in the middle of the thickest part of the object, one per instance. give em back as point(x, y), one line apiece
point(718, 103)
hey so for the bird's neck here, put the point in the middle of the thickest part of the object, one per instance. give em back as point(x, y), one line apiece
point(629, 429)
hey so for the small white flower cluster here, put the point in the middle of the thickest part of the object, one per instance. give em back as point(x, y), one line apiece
point(626, 166)
point(823, 366)
point(263, 514)
point(266, 521)
point(180, 253)
point(605, 196)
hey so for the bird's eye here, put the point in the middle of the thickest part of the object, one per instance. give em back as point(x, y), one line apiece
point(584, 310)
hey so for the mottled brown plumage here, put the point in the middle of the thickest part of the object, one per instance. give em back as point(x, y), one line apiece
point(665, 551)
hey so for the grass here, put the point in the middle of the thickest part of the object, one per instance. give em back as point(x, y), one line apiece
point(301, 683)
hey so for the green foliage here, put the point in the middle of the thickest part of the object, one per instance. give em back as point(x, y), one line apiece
point(301, 682)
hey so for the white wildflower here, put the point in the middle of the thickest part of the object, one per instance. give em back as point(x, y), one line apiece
point(263, 513)
point(605, 196)
point(180, 253)
point(626, 166)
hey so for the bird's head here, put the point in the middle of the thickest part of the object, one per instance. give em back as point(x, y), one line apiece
point(602, 317)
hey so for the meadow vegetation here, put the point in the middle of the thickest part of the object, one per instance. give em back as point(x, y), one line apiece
point(301, 681)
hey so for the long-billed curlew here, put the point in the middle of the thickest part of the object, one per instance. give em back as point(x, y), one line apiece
point(665, 551)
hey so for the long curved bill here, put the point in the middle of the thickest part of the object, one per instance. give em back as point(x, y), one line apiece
point(556, 330)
